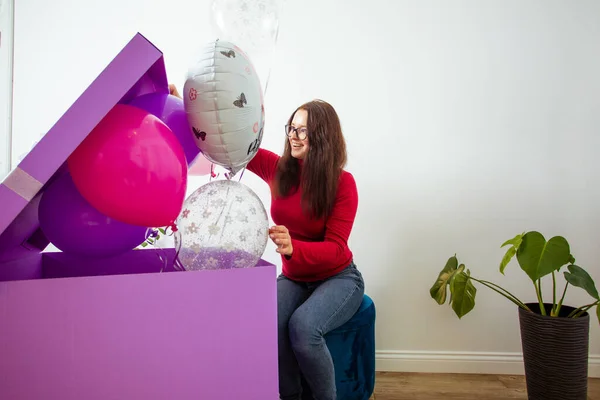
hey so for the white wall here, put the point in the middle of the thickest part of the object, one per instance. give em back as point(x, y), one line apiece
point(6, 48)
point(467, 122)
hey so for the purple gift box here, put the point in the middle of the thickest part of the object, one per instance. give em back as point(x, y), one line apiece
point(119, 328)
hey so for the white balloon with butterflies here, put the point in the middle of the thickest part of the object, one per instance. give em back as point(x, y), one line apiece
point(224, 105)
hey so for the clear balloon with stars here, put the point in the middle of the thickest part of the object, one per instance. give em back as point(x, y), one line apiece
point(222, 225)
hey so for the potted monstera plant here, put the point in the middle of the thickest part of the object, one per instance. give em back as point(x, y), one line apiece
point(554, 336)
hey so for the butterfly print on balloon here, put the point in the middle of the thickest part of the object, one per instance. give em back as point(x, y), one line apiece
point(229, 53)
point(199, 134)
point(240, 101)
point(254, 146)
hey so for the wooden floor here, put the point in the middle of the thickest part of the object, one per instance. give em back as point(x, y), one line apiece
point(413, 386)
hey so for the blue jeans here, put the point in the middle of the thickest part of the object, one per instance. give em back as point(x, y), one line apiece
point(306, 311)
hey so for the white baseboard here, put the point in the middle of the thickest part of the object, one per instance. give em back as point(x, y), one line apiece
point(460, 362)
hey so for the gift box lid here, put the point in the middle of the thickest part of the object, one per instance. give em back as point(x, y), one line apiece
point(137, 69)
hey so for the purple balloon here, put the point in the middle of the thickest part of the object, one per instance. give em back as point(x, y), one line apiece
point(75, 227)
point(170, 110)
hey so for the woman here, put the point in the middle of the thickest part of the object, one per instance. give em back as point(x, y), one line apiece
point(314, 203)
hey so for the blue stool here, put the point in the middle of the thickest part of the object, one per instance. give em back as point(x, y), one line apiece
point(352, 347)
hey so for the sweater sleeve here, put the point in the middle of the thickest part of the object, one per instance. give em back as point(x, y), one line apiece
point(310, 257)
point(263, 164)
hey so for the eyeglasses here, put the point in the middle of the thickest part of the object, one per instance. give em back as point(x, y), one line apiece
point(301, 133)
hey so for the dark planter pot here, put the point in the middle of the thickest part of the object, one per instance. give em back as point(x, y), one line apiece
point(555, 353)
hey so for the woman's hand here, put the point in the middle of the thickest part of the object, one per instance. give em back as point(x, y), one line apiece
point(173, 90)
point(280, 235)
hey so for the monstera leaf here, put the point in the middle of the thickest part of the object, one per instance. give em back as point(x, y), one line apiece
point(598, 312)
point(577, 276)
point(512, 250)
point(439, 289)
point(463, 293)
point(538, 257)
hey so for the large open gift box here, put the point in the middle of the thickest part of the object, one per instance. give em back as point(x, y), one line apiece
point(122, 327)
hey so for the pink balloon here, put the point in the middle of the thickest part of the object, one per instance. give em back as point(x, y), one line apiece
point(200, 166)
point(132, 168)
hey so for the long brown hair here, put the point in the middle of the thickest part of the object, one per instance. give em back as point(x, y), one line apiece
point(323, 164)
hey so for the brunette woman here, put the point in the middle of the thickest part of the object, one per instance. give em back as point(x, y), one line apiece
point(314, 203)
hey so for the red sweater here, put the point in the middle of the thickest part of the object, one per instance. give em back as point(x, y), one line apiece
point(320, 246)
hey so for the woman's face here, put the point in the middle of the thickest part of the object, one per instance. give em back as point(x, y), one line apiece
point(298, 135)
